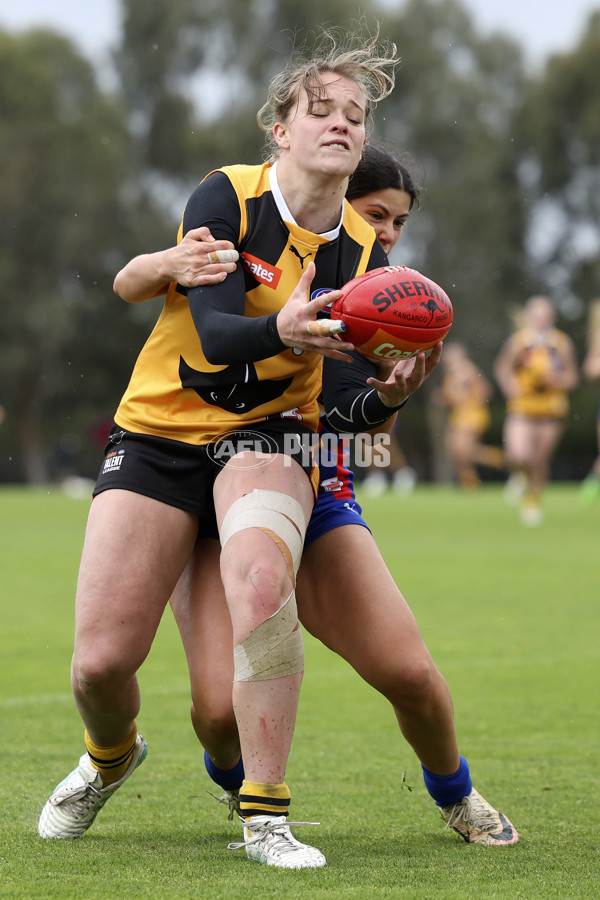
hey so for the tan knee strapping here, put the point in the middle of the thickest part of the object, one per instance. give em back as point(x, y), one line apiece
point(276, 514)
point(275, 648)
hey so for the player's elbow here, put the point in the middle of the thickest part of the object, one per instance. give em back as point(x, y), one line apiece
point(121, 289)
point(117, 287)
point(214, 347)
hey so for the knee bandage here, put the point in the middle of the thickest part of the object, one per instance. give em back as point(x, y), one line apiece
point(275, 648)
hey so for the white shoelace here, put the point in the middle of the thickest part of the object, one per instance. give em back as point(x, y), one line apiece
point(83, 799)
point(482, 816)
point(283, 841)
point(230, 799)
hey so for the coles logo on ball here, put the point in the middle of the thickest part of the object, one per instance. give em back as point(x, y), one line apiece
point(388, 351)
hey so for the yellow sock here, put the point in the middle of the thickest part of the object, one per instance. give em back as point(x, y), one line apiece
point(264, 799)
point(111, 762)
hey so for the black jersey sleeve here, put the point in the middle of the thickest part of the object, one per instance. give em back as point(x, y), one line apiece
point(227, 335)
point(351, 406)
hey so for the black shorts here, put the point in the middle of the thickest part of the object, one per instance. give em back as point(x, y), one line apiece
point(182, 475)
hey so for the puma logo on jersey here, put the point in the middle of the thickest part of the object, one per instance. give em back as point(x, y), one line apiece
point(261, 270)
point(301, 258)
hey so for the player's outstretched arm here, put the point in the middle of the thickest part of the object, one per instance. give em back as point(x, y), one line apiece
point(196, 260)
point(359, 398)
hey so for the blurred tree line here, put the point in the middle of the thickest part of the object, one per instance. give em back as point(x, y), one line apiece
point(509, 161)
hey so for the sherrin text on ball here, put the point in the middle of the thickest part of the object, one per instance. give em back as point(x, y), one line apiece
point(393, 312)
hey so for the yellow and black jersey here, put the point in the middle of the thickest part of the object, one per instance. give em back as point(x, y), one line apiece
point(462, 392)
point(470, 416)
point(536, 357)
point(214, 361)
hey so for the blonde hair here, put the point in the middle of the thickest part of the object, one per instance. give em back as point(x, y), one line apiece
point(370, 64)
point(519, 315)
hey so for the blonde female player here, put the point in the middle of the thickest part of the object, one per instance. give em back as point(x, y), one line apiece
point(228, 358)
point(346, 595)
point(536, 368)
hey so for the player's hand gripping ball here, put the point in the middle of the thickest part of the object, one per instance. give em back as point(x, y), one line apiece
point(393, 312)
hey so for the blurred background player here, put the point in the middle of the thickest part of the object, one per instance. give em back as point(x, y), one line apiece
point(465, 392)
point(590, 488)
point(536, 368)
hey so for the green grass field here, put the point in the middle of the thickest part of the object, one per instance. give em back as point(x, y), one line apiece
point(512, 616)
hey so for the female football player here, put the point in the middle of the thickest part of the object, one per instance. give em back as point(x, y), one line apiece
point(466, 392)
point(228, 359)
point(346, 595)
point(536, 368)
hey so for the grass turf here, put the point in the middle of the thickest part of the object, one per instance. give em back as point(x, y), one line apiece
point(511, 616)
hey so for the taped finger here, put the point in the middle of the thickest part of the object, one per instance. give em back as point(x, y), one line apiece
point(325, 327)
point(223, 256)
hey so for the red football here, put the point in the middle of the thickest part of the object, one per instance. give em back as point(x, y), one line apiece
point(393, 312)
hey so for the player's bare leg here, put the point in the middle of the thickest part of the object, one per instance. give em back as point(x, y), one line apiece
point(348, 599)
point(461, 445)
point(530, 445)
point(127, 572)
point(200, 610)
point(546, 435)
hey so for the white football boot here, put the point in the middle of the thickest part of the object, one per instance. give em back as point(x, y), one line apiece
point(268, 840)
point(78, 799)
point(478, 822)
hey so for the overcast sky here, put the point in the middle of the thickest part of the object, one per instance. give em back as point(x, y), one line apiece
point(540, 28)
